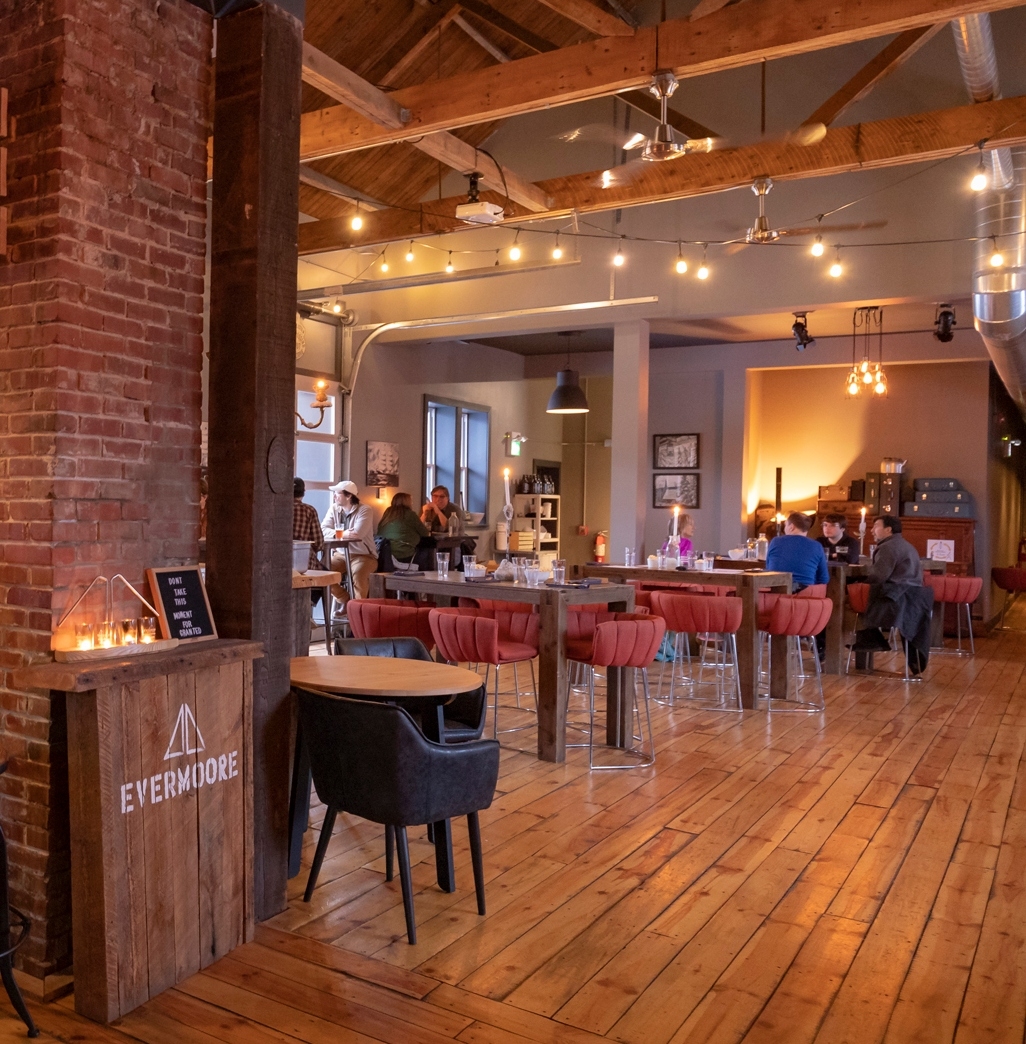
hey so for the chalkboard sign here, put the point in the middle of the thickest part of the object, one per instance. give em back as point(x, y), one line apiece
point(181, 601)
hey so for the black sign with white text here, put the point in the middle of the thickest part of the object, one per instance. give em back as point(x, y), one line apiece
point(182, 603)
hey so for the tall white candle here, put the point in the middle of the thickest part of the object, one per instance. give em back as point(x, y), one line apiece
point(676, 516)
point(505, 479)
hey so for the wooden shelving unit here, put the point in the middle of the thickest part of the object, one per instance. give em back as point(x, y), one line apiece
point(531, 507)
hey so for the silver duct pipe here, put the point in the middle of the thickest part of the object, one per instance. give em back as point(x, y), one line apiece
point(999, 293)
point(974, 43)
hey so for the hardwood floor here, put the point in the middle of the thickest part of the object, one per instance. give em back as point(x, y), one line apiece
point(850, 876)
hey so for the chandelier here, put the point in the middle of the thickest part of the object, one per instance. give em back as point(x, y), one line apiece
point(866, 375)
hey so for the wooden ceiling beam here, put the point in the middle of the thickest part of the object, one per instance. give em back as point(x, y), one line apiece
point(589, 17)
point(729, 38)
point(446, 12)
point(341, 83)
point(892, 57)
point(481, 40)
point(514, 30)
point(883, 143)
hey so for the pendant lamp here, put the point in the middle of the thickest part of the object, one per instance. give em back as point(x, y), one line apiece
point(567, 397)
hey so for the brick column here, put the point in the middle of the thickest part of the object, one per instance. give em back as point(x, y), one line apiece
point(101, 312)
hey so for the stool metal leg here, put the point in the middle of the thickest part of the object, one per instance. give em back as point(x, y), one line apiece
point(6, 967)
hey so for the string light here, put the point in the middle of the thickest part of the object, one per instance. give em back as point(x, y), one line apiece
point(681, 265)
point(514, 250)
point(357, 222)
point(702, 271)
point(557, 250)
point(997, 259)
point(409, 253)
point(449, 268)
point(618, 258)
point(384, 260)
point(817, 248)
point(980, 180)
point(835, 269)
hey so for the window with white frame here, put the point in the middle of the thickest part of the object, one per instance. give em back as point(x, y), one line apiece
point(317, 448)
point(456, 445)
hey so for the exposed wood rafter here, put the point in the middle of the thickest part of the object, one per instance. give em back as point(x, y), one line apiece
point(729, 38)
point(589, 17)
point(345, 86)
point(884, 143)
point(481, 40)
point(429, 39)
point(892, 57)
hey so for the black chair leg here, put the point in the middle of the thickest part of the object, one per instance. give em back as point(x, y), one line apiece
point(322, 847)
point(474, 829)
point(14, 992)
point(406, 881)
point(389, 851)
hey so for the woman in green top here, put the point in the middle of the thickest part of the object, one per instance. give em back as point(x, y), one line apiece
point(402, 528)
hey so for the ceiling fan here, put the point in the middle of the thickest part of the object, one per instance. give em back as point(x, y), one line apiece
point(761, 232)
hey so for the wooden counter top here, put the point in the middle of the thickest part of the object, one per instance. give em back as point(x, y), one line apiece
point(315, 578)
point(94, 674)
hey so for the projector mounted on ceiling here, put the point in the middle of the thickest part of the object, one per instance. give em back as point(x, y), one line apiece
point(474, 211)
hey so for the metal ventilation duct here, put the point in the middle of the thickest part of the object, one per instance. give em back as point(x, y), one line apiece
point(999, 294)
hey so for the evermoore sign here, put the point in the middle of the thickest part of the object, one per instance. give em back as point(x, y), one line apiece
point(186, 739)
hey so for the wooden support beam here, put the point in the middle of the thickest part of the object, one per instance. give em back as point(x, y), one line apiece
point(342, 84)
point(707, 7)
point(481, 40)
point(729, 38)
point(514, 30)
point(589, 17)
point(315, 179)
point(884, 143)
point(892, 57)
point(446, 12)
point(252, 392)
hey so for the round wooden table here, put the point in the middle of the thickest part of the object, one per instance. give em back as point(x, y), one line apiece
point(381, 678)
point(390, 680)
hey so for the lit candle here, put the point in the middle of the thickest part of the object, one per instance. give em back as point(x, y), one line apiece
point(505, 479)
point(676, 517)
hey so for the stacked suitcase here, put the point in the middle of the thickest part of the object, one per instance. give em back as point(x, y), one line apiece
point(940, 498)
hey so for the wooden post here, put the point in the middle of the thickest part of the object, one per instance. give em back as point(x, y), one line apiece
point(252, 363)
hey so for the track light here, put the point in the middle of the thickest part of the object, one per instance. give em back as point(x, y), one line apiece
point(800, 329)
point(980, 180)
point(681, 265)
point(835, 269)
point(449, 267)
point(514, 250)
point(817, 248)
point(409, 253)
point(557, 250)
point(357, 221)
point(997, 259)
point(944, 324)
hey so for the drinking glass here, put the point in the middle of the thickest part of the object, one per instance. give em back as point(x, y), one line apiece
point(559, 571)
point(129, 632)
point(708, 557)
point(469, 561)
point(442, 564)
point(628, 556)
point(518, 571)
point(660, 559)
point(83, 636)
point(148, 630)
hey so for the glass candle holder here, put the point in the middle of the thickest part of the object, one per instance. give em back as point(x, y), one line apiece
point(129, 632)
point(83, 636)
point(148, 630)
point(104, 635)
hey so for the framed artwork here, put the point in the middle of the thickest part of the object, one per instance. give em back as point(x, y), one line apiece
point(681, 489)
point(675, 451)
point(382, 463)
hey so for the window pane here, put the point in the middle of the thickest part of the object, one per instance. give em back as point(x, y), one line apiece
point(477, 461)
point(311, 416)
point(315, 461)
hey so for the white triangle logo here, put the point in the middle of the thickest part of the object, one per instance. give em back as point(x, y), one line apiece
point(187, 738)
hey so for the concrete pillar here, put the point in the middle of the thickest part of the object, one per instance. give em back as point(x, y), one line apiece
point(630, 478)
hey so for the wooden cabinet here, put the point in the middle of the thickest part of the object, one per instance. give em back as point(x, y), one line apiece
point(961, 531)
point(539, 512)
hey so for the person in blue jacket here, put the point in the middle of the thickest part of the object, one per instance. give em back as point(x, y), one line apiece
point(797, 554)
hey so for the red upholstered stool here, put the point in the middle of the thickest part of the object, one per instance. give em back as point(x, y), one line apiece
point(1012, 581)
point(494, 637)
point(626, 640)
point(961, 591)
point(390, 618)
point(801, 619)
point(699, 614)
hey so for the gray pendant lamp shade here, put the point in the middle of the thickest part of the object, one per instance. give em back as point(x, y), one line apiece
point(567, 397)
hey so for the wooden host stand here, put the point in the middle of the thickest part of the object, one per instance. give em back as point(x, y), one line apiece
point(161, 886)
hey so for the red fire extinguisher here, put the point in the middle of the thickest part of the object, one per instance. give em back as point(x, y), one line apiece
point(600, 547)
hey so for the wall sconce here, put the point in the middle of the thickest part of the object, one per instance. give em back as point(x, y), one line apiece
point(514, 443)
point(321, 402)
point(1008, 444)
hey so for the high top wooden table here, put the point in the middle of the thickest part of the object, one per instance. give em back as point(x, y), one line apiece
point(302, 584)
point(552, 605)
point(390, 680)
point(747, 584)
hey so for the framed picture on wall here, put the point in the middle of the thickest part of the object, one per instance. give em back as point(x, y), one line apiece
point(675, 451)
point(382, 463)
point(681, 489)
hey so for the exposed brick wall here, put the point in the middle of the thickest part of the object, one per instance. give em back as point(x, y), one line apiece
point(101, 316)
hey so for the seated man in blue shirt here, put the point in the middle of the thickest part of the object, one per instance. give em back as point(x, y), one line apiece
point(797, 554)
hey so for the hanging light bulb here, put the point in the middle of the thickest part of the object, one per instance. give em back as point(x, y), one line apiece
point(357, 221)
point(854, 386)
point(835, 268)
point(384, 261)
point(864, 368)
point(980, 180)
point(409, 253)
point(557, 250)
point(703, 268)
point(618, 258)
point(449, 267)
point(514, 250)
point(336, 306)
point(817, 248)
point(681, 266)
point(997, 259)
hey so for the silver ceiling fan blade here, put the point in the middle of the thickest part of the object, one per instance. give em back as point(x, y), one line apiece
point(623, 174)
point(814, 230)
point(591, 133)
